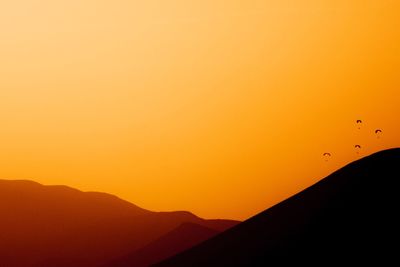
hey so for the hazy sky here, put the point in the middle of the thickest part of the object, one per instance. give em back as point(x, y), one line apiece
point(219, 107)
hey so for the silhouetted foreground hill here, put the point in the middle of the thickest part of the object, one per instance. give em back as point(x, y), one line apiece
point(57, 226)
point(348, 217)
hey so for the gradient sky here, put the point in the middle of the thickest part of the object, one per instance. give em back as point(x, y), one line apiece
point(219, 107)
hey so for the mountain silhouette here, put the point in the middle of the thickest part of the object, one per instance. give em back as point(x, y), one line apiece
point(350, 217)
point(46, 226)
point(183, 237)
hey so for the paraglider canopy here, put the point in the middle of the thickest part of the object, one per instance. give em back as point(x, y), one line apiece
point(378, 132)
point(327, 156)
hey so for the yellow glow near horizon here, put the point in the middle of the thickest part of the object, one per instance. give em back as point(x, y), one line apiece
point(222, 108)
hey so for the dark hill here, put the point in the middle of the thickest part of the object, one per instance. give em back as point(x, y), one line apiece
point(348, 217)
point(46, 226)
point(183, 237)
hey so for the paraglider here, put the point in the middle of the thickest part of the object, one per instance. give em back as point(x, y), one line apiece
point(357, 147)
point(378, 133)
point(359, 122)
point(327, 156)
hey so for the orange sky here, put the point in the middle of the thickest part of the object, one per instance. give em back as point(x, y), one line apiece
point(219, 107)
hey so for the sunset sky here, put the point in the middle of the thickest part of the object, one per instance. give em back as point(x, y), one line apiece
point(219, 107)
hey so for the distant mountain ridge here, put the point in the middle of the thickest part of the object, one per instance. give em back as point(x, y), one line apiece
point(45, 226)
point(350, 217)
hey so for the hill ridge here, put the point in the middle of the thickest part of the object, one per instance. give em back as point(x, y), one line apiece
point(342, 202)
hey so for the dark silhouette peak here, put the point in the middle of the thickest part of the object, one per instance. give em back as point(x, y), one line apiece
point(183, 237)
point(179, 214)
point(189, 228)
point(182, 213)
point(348, 217)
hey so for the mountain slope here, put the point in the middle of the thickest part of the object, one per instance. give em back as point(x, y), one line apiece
point(183, 237)
point(59, 226)
point(348, 217)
